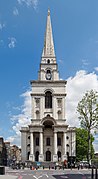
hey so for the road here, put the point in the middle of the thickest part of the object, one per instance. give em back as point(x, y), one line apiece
point(49, 174)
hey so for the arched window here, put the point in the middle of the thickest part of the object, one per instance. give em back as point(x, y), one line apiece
point(48, 74)
point(37, 156)
point(48, 99)
point(28, 155)
point(48, 61)
point(37, 141)
point(58, 141)
point(48, 71)
point(59, 114)
point(48, 141)
point(37, 114)
point(67, 137)
point(48, 156)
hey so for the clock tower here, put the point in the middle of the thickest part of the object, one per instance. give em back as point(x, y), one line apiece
point(48, 137)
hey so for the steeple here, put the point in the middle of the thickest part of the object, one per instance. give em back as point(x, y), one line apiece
point(48, 50)
point(48, 66)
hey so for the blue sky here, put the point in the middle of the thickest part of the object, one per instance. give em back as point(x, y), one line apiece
point(22, 28)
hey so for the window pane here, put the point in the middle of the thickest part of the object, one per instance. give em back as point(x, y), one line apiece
point(37, 141)
point(48, 100)
point(59, 141)
point(48, 141)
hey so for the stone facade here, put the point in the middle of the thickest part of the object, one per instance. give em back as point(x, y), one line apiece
point(48, 137)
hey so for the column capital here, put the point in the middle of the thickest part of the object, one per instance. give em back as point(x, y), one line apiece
point(41, 132)
point(55, 130)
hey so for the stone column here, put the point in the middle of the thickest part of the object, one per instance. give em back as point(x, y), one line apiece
point(31, 143)
point(54, 107)
point(64, 142)
point(33, 108)
point(64, 157)
point(63, 108)
point(55, 157)
point(55, 143)
point(31, 157)
point(41, 143)
point(41, 157)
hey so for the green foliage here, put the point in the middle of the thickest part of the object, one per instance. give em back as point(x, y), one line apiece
point(82, 144)
point(88, 110)
point(88, 115)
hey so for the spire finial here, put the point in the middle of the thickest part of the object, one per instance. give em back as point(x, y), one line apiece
point(48, 49)
point(48, 12)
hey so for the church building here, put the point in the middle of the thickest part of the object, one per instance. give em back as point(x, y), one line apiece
point(48, 137)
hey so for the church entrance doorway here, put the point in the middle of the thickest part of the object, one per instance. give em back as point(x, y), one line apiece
point(59, 155)
point(28, 155)
point(37, 156)
point(48, 156)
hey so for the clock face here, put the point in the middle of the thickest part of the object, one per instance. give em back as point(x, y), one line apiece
point(48, 75)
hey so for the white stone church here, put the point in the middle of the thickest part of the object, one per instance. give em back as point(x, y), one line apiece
point(48, 137)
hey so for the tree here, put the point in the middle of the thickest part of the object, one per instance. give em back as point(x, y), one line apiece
point(82, 144)
point(88, 110)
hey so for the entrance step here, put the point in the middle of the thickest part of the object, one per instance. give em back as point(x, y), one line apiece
point(44, 164)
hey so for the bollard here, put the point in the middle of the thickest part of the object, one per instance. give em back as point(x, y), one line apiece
point(49, 167)
point(92, 175)
point(55, 167)
point(96, 173)
point(43, 167)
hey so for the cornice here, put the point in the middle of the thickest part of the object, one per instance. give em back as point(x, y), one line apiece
point(40, 94)
point(47, 82)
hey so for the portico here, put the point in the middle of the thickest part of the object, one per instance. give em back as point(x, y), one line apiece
point(49, 141)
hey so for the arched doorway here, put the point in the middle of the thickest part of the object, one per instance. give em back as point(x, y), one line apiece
point(48, 156)
point(28, 155)
point(37, 156)
point(59, 155)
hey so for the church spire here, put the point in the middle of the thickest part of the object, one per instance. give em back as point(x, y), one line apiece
point(48, 50)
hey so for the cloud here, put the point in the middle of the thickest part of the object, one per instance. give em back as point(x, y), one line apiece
point(95, 143)
point(10, 139)
point(15, 11)
point(76, 88)
point(29, 3)
point(2, 25)
point(61, 61)
point(96, 68)
point(22, 119)
point(85, 61)
point(12, 42)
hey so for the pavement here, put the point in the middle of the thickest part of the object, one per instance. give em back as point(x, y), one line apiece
point(46, 173)
point(8, 177)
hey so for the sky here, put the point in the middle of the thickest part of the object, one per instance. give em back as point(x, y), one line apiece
point(22, 29)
